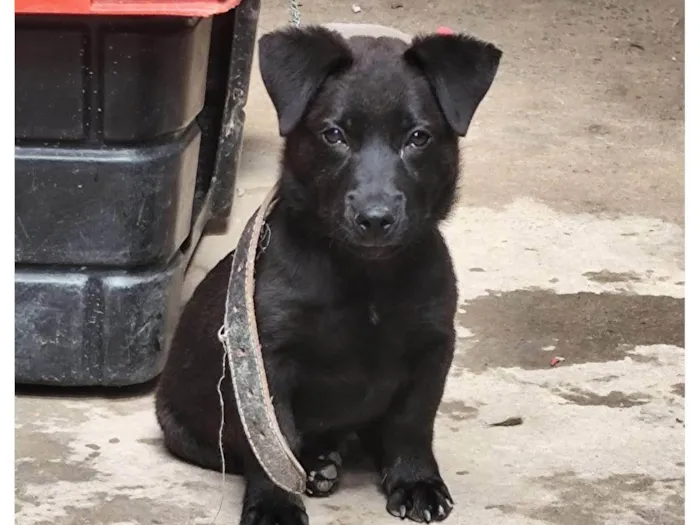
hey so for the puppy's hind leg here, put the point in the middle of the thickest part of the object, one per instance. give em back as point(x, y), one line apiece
point(182, 443)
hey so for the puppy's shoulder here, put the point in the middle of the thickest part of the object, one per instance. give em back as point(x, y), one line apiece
point(431, 265)
point(291, 275)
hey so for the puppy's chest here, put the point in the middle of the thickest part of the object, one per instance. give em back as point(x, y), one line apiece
point(366, 318)
point(366, 333)
point(355, 364)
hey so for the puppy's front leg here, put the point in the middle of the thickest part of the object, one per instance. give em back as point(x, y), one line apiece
point(410, 474)
point(264, 503)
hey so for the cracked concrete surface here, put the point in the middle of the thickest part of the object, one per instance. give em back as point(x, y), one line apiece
point(568, 242)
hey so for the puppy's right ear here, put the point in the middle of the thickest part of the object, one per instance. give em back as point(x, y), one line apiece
point(294, 62)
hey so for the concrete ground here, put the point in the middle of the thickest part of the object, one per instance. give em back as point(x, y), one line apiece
point(568, 240)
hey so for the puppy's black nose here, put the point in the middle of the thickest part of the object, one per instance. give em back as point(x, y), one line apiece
point(376, 220)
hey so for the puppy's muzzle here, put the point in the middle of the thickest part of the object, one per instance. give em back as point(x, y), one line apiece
point(374, 218)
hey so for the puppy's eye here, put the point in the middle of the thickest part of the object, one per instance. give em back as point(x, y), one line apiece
point(334, 136)
point(418, 138)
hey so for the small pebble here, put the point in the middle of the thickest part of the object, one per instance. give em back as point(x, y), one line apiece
point(356, 8)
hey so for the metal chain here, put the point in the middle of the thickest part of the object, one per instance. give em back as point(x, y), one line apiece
point(294, 13)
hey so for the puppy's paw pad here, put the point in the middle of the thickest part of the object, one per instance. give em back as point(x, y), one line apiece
point(422, 501)
point(324, 475)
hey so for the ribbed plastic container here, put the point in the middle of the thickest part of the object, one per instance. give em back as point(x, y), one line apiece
point(120, 162)
point(197, 8)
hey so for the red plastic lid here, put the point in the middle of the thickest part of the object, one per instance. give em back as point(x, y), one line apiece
point(198, 8)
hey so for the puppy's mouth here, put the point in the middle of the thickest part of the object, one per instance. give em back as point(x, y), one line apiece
point(375, 251)
point(367, 246)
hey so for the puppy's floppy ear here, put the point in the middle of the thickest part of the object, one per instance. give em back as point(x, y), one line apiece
point(460, 70)
point(294, 62)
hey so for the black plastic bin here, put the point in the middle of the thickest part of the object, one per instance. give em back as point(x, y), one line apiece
point(128, 132)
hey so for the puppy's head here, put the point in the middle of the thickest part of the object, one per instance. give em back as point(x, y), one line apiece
point(371, 126)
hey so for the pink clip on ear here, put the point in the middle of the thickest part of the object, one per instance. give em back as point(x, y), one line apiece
point(442, 30)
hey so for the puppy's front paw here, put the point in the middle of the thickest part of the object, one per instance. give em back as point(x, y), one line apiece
point(274, 511)
point(421, 501)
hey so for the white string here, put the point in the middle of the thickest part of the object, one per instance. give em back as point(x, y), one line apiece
point(221, 429)
point(295, 20)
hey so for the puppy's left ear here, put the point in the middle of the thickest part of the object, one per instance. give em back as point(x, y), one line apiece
point(460, 70)
point(294, 62)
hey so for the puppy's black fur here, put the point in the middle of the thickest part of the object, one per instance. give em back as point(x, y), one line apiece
point(355, 294)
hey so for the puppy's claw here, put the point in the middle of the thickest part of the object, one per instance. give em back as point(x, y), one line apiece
point(441, 511)
point(448, 497)
point(427, 516)
point(398, 513)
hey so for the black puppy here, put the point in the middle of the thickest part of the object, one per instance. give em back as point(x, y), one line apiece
point(355, 293)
